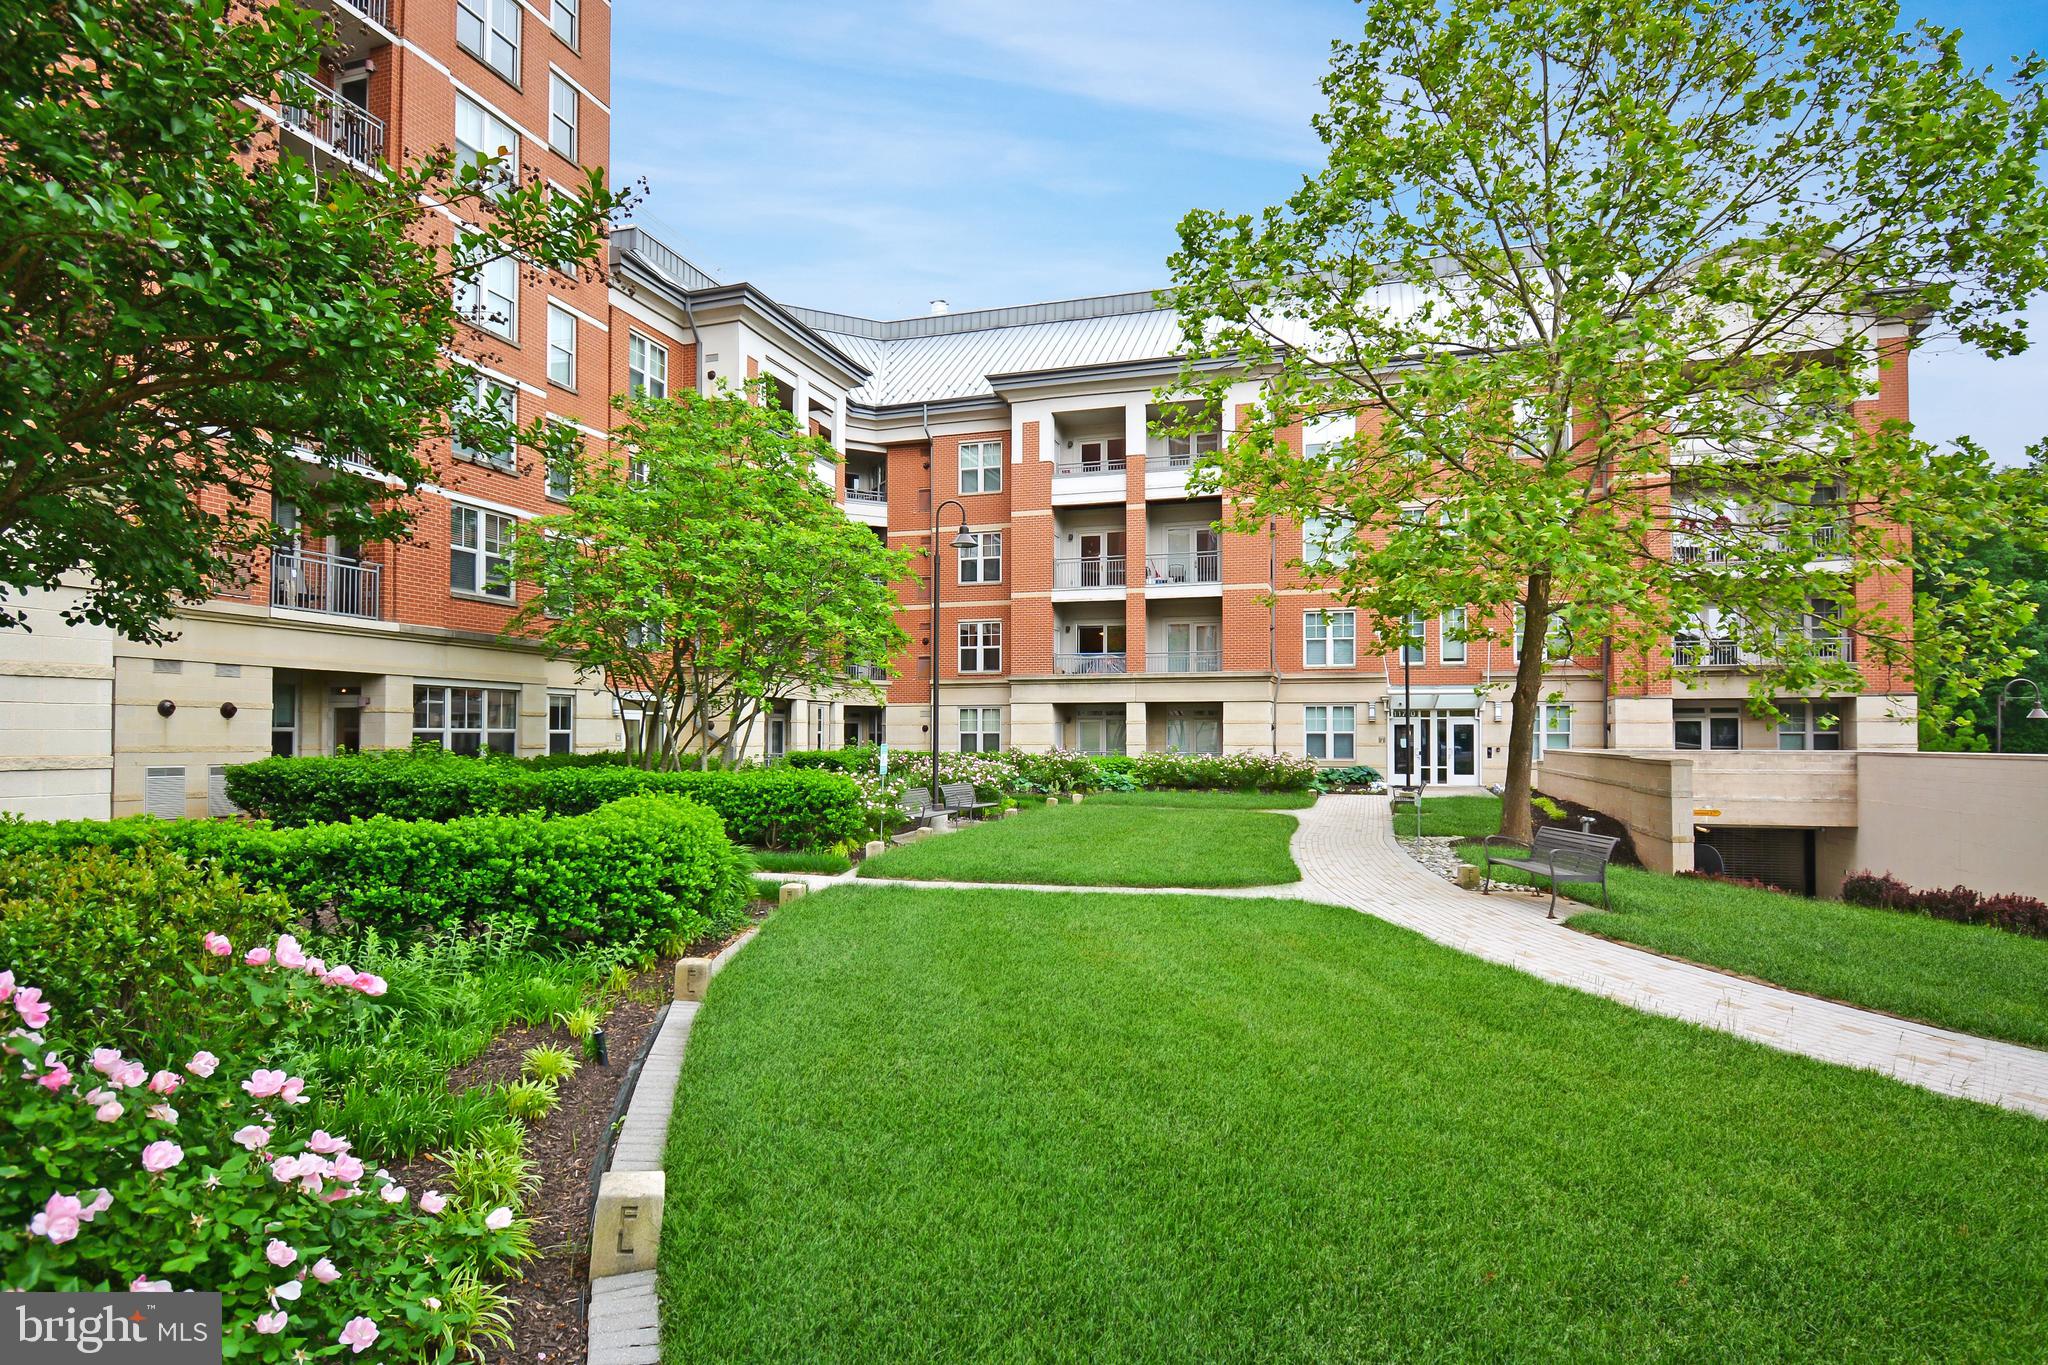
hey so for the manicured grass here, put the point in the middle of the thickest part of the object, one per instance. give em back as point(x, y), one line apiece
point(1452, 817)
point(769, 861)
point(1103, 843)
point(922, 1125)
point(1209, 800)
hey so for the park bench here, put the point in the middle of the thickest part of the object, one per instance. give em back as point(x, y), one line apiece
point(1558, 854)
point(918, 809)
point(961, 799)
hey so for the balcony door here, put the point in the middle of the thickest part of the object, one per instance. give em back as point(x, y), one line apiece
point(1191, 555)
point(1102, 559)
point(1194, 646)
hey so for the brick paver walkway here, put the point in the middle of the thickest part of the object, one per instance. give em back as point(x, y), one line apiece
point(1346, 850)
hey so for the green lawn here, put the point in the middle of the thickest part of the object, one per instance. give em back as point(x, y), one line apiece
point(1960, 976)
point(1103, 843)
point(1209, 800)
point(1452, 817)
point(770, 861)
point(922, 1125)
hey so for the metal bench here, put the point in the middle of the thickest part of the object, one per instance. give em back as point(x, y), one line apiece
point(1558, 854)
point(961, 799)
point(918, 809)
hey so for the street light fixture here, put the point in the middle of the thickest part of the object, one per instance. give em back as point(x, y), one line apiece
point(965, 540)
point(2005, 695)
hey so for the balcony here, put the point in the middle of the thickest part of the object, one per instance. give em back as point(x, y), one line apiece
point(868, 495)
point(1185, 569)
point(353, 133)
point(377, 11)
point(1086, 664)
point(1184, 661)
point(1075, 467)
point(305, 580)
point(1101, 571)
point(1702, 653)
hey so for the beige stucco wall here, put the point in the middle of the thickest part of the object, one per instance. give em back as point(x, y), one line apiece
point(1651, 795)
point(56, 713)
point(1977, 820)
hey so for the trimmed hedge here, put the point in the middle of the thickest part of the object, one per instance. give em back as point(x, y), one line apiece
point(771, 807)
point(644, 868)
point(1059, 771)
point(2011, 911)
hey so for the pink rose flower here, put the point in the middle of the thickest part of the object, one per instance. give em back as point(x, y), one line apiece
point(270, 1324)
point(162, 1113)
point(347, 1168)
point(56, 1078)
point(59, 1220)
point(263, 1084)
point(341, 974)
point(392, 1194)
point(280, 1252)
point(252, 1136)
point(104, 1060)
point(433, 1201)
point(324, 1271)
point(166, 1082)
point(102, 1200)
point(289, 1291)
point(109, 1108)
point(6, 986)
point(218, 945)
point(202, 1064)
point(326, 1143)
point(285, 1168)
point(316, 966)
point(161, 1155)
point(358, 1334)
point(28, 1003)
point(139, 1285)
point(498, 1219)
point(289, 1091)
point(369, 983)
point(129, 1074)
point(256, 957)
point(289, 954)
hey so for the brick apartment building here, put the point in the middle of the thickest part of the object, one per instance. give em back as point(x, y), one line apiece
point(1097, 610)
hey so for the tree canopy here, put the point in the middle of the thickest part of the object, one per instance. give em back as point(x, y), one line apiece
point(1613, 283)
point(707, 573)
point(194, 317)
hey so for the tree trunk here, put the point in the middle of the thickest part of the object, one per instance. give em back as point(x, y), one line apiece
point(1526, 707)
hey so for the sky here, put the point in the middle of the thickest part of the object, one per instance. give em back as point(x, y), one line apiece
point(871, 158)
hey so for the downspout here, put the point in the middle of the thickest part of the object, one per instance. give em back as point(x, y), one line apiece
point(1607, 691)
point(1272, 638)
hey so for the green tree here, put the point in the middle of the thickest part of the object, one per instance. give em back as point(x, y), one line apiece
point(1605, 273)
point(708, 574)
point(194, 318)
point(1986, 595)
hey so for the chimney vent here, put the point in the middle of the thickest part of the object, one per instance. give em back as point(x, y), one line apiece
point(938, 307)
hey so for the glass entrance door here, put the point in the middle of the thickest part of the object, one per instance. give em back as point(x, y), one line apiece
point(1444, 746)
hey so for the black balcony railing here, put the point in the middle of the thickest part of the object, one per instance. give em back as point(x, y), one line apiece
point(315, 110)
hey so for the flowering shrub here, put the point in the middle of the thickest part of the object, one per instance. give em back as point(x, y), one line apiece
point(2016, 913)
point(1244, 772)
point(195, 1173)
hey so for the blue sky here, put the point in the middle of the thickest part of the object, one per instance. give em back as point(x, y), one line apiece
point(873, 157)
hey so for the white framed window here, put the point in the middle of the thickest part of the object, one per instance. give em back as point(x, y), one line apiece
point(1330, 732)
point(1100, 730)
point(1319, 434)
point(467, 720)
point(1329, 639)
point(1183, 451)
point(646, 367)
point(1450, 636)
point(284, 717)
point(489, 30)
point(982, 562)
point(561, 722)
point(561, 346)
point(1326, 540)
point(491, 399)
point(1415, 640)
point(981, 646)
point(480, 133)
point(981, 729)
point(1558, 642)
point(486, 290)
point(1813, 725)
point(564, 20)
point(561, 115)
point(479, 552)
point(981, 466)
point(1557, 726)
point(1706, 727)
point(561, 477)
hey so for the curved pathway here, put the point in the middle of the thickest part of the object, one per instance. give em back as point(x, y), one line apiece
point(1348, 856)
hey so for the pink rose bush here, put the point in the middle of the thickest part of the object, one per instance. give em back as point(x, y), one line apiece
point(314, 1254)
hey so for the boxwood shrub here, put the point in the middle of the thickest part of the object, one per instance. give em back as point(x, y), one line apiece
point(772, 807)
point(645, 868)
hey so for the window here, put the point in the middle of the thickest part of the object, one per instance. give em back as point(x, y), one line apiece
point(480, 133)
point(1326, 540)
point(561, 484)
point(558, 578)
point(561, 346)
point(1810, 725)
point(561, 722)
point(561, 116)
point(1328, 639)
point(487, 290)
point(1557, 646)
point(1450, 636)
point(981, 466)
point(1706, 727)
point(1320, 434)
point(494, 403)
point(480, 552)
point(1100, 639)
point(1329, 731)
point(1415, 640)
point(1099, 730)
point(1557, 725)
point(1191, 730)
point(563, 21)
point(1183, 451)
point(284, 717)
point(489, 29)
point(466, 720)
point(982, 562)
point(981, 646)
point(646, 366)
point(981, 729)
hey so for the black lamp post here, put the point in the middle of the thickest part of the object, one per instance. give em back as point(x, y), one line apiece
point(963, 541)
point(2005, 695)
